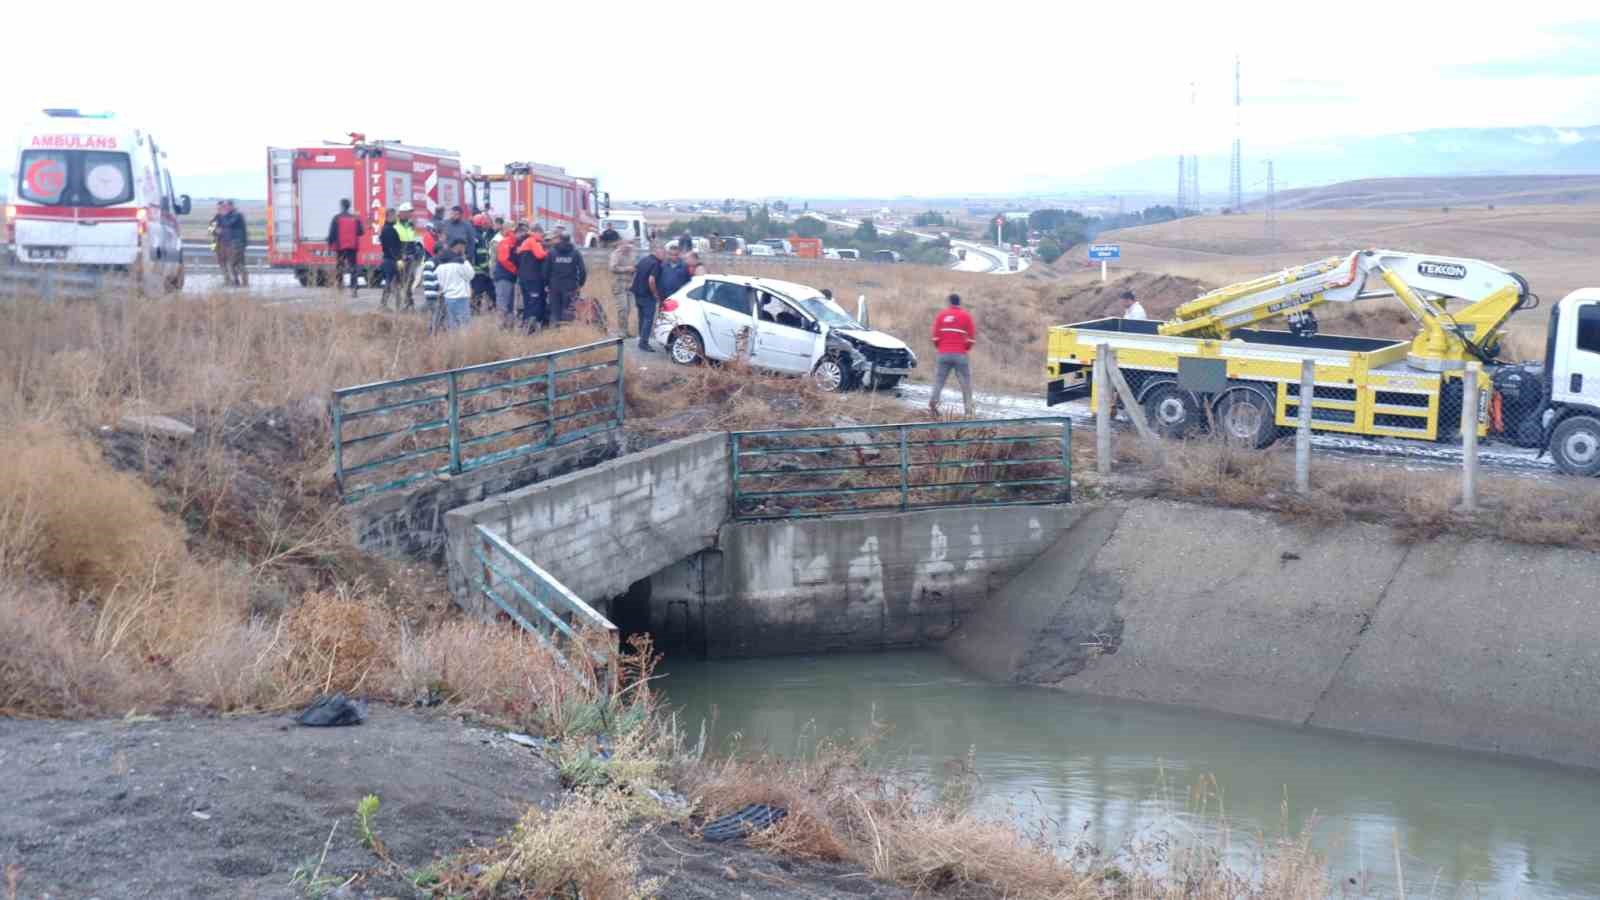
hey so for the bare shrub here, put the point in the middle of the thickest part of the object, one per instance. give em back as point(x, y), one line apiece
point(335, 642)
point(48, 668)
point(87, 525)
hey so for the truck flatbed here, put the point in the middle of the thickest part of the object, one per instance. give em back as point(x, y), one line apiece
point(1363, 385)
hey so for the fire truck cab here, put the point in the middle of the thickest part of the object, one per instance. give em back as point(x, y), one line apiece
point(305, 185)
point(91, 192)
point(542, 195)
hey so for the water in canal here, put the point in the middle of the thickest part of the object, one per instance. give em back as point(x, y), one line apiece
point(1120, 773)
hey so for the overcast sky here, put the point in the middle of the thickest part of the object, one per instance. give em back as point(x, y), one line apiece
point(713, 98)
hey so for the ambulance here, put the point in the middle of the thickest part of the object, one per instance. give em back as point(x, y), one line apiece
point(91, 192)
point(305, 185)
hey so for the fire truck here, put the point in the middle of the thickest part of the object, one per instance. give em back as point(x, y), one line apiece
point(546, 195)
point(305, 185)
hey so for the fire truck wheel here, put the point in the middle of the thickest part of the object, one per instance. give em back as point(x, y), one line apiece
point(302, 276)
point(1172, 411)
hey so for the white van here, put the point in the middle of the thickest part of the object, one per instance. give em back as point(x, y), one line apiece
point(627, 223)
point(91, 192)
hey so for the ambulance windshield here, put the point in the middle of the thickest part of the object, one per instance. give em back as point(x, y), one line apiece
point(74, 178)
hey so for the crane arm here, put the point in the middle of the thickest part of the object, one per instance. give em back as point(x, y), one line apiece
point(1423, 284)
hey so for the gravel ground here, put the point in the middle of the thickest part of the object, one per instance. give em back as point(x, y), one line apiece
point(229, 807)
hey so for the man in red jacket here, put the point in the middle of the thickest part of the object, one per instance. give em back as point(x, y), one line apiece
point(344, 239)
point(953, 334)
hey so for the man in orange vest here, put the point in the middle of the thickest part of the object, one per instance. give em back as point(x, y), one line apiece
point(953, 336)
point(344, 239)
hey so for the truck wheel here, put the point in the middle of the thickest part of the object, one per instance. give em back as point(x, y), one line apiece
point(1245, 417)
point(685, 348)
point(1172, 411)
point(831, 375)
point(1575, 446)
point(302, 276)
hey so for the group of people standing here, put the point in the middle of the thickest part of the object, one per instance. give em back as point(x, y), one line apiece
point(643, 282)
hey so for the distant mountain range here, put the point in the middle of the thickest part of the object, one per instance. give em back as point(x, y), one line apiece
point(1537, 150)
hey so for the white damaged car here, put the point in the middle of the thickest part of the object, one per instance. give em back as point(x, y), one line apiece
point(780, 326)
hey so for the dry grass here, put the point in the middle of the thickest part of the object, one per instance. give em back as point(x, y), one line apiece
point(1419, 504)
point(582, 848)
point(926, 835)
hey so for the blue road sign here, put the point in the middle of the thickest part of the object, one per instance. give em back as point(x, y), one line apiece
point(1105, 251)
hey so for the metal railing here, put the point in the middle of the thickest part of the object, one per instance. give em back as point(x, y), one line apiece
point(802, 472)
point(486, 414)
point(58, 282)
point(532, 597)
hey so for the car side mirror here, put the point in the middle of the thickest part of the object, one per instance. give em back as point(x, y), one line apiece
point(184, 205)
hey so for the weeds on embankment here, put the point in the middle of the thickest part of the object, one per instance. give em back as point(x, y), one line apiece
point(1420, 504)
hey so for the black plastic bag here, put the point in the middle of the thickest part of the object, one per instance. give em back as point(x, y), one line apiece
point(335, 710)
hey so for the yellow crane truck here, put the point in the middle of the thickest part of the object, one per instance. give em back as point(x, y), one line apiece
point(1212, 366)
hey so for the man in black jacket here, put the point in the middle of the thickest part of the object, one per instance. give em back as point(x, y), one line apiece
point(644, 292)
point(564, 274)
point(232, 236)
point(393, 253)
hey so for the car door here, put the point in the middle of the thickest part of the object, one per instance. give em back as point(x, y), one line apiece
point(1579, 380)
point(727, 307)
point(786, 339)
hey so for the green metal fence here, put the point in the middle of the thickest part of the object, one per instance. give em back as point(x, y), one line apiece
point(390, 434)
point(532, 597)
point(799, 472)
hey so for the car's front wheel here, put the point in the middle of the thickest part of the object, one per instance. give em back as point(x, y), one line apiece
point(831, 375)
point(685, 347)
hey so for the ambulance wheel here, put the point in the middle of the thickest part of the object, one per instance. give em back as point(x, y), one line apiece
point(1173, 412)
point(1575, 446)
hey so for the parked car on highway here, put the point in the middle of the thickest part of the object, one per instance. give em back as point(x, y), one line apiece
point(779, 246)
point(780, 326)
point(759, 250)
point(888, 256)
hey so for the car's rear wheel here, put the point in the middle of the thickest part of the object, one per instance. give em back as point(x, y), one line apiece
point(831, 375)
point(685, 347)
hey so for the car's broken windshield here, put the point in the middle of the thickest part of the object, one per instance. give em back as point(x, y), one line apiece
point(828, 312)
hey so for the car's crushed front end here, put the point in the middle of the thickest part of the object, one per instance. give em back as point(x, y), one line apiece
point(871, 356)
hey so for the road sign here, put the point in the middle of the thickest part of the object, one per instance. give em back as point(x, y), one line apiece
point(1105, 251)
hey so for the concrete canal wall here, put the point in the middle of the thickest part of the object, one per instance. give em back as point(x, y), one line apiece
point(1475, 644)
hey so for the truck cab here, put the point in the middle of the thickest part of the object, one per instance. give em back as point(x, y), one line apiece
point(91, 192)
point(629, 224)
point(1572, 380)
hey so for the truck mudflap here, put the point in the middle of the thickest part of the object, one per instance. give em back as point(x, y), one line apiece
point(1061, 391)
